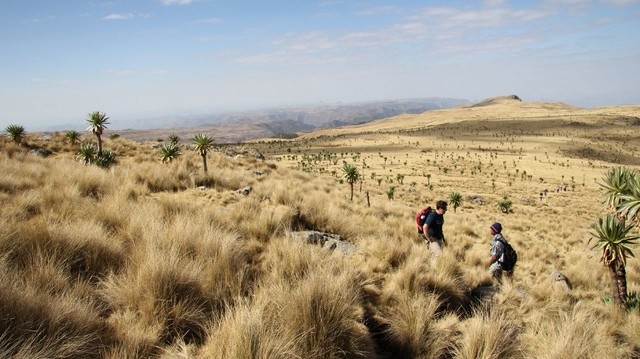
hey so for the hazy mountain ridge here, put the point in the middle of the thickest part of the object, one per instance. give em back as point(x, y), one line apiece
point(286, 122)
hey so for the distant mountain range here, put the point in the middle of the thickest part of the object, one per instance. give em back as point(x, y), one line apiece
point(234, 127)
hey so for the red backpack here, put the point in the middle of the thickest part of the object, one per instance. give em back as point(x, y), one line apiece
point(421, 217)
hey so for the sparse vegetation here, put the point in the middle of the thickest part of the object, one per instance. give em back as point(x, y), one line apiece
point(167, 269)
point(173, 139)
point(351, 174)
point(87, 153)
point(614, 242)
point(98, 122)
point(170, 151)
point(72, 137)
point(106, 159)
point(15, 133)
point(612, 233)
point(203, 143)
point(455, 199)
point(505, 205)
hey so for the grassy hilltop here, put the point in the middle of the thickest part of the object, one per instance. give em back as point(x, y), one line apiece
point(147, 259)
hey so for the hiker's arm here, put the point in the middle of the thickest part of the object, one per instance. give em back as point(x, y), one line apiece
point(492, 260)
point(425, 231)
point(427, 222)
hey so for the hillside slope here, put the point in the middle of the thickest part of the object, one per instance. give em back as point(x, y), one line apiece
point(496, 109)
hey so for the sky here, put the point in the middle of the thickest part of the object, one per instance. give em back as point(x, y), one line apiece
point(137, 59)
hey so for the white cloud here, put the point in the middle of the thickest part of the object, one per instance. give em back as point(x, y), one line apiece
point(621, 2)
point(568, 2)
point(211, 20)
point(429, 31)
point(177, 2)
point(445, 17)
point(493, 3)
point(379, 10)
point(127, 16)
point(52, 81)
point(132, 73)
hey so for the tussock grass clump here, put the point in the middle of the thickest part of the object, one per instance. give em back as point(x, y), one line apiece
point(418, 277)
point(382, 255)
point(260, 221)
point(45, 320)
point(182, 275)
point(413, 328)
point(14, 180)
point(243, 333)
point(83, 254)
point(172, 177)
point(489, 334)
point(322, 316)
point(169, 295)
point(94, 183)
point(578, 332)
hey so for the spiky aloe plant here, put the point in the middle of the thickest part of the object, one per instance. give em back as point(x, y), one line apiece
point(203, 144)
point(630, 199)
point(15, 133)
point(351, 174)
point(173, 139)
point(106, 159)
point(87, 153)
point(97, 124)
point(170, 151)
point(455, 198)
point(616, 184)
point(614, 242)
point(72, 137)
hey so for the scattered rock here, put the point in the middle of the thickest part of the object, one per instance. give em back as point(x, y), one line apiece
point(42, 152)
point(560, 280)
point(528, 201)
point(241, 152)
point(475, 198)
point(327, 241)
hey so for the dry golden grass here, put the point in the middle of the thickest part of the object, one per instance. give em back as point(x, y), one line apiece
point(160, 260)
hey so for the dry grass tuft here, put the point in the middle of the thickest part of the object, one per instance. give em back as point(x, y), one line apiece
point(45, 320)
point(243, 333)
point(489, 334)
point(415, 329)
point(321, 316)
point(576, 333)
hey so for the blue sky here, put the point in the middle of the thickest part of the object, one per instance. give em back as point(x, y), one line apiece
point(137, 59)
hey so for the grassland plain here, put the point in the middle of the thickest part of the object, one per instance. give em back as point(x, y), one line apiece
point(152, 260)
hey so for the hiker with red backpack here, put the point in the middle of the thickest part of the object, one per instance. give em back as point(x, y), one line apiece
point(430, 227)
point(503, 256)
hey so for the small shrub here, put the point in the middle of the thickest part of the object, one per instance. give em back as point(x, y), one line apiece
point(391, 192)
point(505, 205)
point(106, 159)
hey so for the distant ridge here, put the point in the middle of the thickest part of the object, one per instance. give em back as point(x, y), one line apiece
point(496, 100)
point(286, 122)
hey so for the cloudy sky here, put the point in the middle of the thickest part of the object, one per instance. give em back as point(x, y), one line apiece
point(143, 58)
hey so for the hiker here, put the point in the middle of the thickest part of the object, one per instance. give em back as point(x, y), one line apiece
point(432, 229)
point(498, 261)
